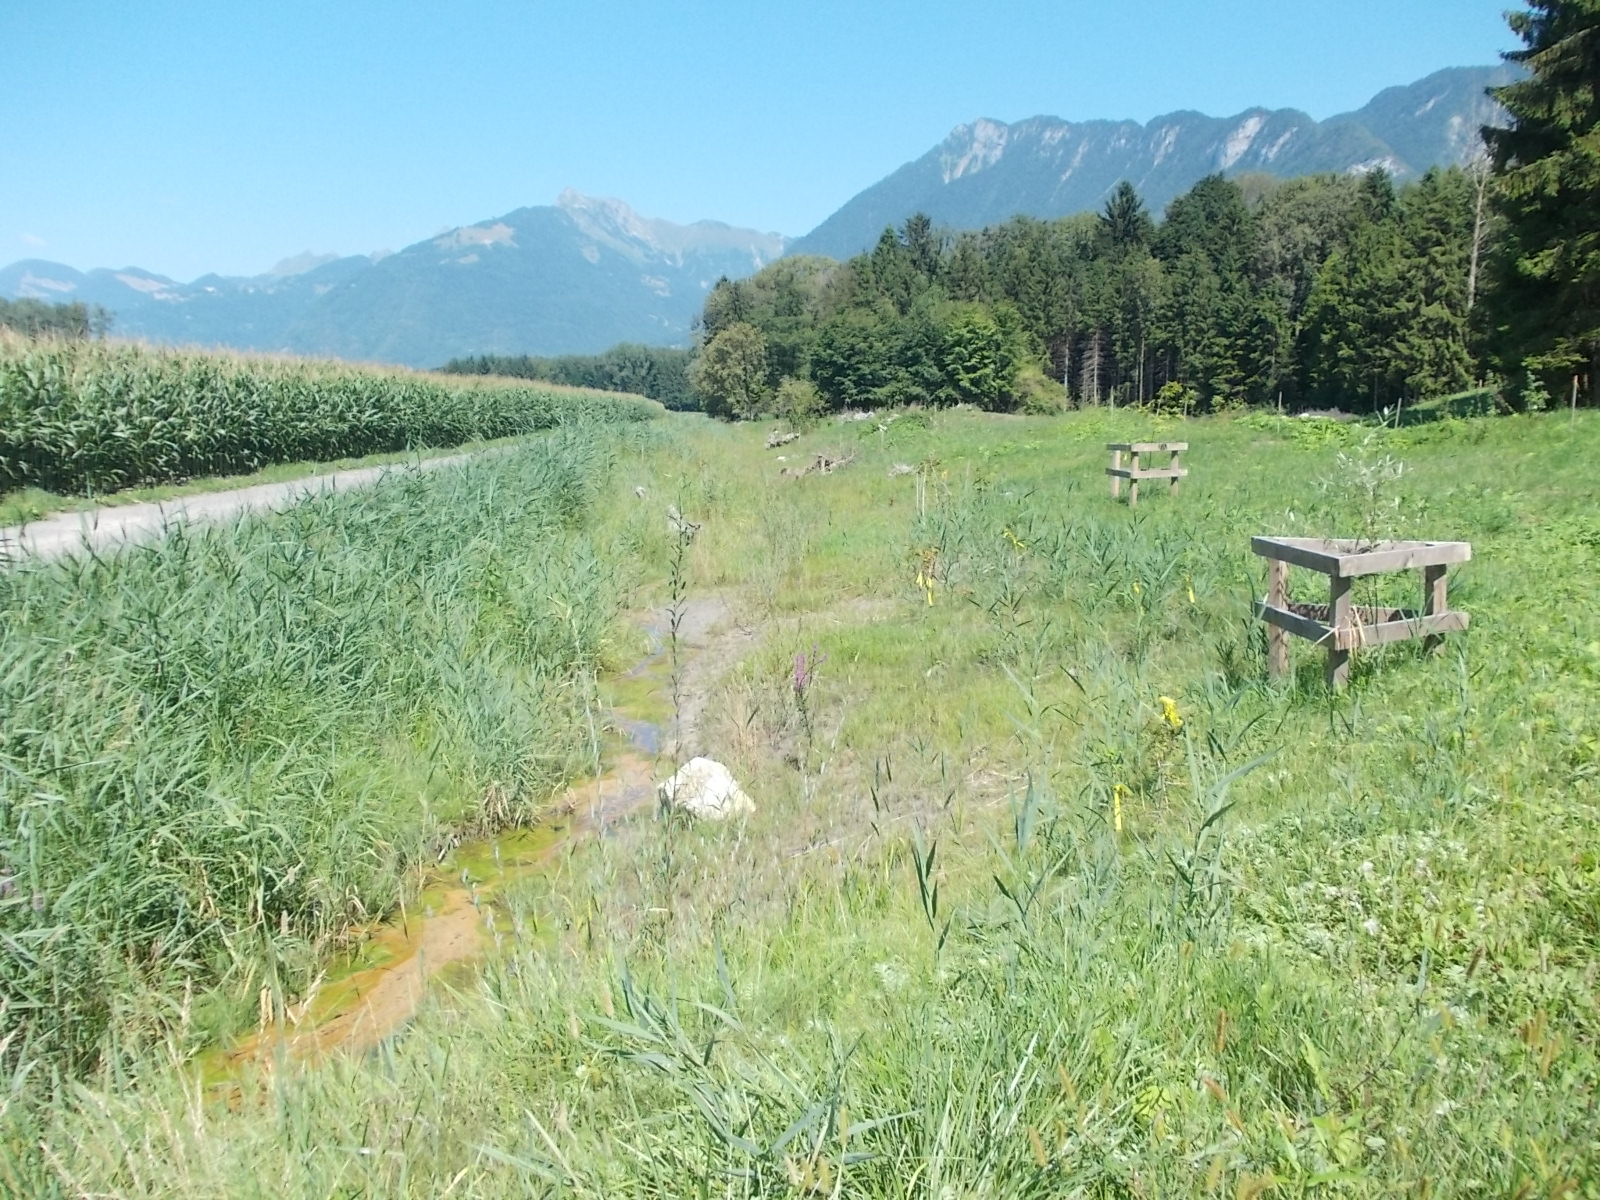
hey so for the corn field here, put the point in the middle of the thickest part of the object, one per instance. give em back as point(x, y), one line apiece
point(85, 417)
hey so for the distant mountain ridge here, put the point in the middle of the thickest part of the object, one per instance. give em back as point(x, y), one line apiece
point(575, 277)
point(988, 171)
point(586, 273)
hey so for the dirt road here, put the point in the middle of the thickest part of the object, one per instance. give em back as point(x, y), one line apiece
point(70, 533)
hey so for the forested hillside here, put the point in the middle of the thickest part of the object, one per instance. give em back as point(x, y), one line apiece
point(1328, 290)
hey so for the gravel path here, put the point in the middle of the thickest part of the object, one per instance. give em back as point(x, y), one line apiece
point(72, 532)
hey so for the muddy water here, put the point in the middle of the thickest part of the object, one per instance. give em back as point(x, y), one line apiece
point(372, 992)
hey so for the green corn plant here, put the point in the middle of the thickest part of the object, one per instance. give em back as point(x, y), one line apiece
point(89, 417)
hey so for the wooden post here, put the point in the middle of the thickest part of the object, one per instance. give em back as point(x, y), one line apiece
point(1277, 638)
point(1339, 618)
point(1434, 601)
point(1174, 464)
point(1116, 482)
point(1133, 483)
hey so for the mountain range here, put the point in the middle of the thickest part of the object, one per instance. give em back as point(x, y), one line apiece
point(586, 273)
point(574, 277)
point(988, 171)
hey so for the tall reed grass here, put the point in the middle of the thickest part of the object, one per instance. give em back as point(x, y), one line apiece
point(221, 750)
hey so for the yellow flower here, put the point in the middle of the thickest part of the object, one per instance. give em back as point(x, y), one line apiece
point(1169, 712)
point(1190, 582)
point(1137, 590)
point(1116, 806)
point(1016, 543)
point(925, 562)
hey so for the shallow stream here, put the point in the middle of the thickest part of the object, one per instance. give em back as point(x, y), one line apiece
point(372, 991)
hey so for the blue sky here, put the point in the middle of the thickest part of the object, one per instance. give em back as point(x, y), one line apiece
point(224, 135)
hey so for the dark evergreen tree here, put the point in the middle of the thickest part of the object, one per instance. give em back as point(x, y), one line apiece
point(1210, 219)
point(1437, 220)
point(1357, 308)
point(965, 273)
point(854, 357)
point(894, 277)
point(1545, 303)
point(1124, 223)
point(1139, 293)
point(924, 247)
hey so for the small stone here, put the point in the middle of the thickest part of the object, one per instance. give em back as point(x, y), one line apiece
point(704, 789)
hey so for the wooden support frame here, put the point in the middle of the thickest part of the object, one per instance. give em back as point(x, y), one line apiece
point(1133, 473)
point(1341, 626)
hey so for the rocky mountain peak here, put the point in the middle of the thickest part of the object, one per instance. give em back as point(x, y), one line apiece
point(972, 147)
point(606, 215)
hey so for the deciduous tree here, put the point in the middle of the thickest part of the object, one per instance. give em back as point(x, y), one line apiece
point(731, 372)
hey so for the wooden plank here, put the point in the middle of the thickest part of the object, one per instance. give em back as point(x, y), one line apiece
point(1404, 556)
point(1297, 551)
point(1146, 473)
point(1364, 629)
point(1339, 556)
point(1146, 447)
point(1384, 632)
point(1114, 470)
point(1175, 469)
point(1312, 630)
point(1434, 601)
point(1277, 601)
point(1339, 619)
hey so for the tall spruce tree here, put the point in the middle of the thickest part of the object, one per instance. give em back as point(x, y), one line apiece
point(1209, 239)
point(1431, 347)
point(1545, 305)
point(1124, 221)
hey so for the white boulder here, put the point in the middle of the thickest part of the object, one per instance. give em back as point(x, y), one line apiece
point(704, 788)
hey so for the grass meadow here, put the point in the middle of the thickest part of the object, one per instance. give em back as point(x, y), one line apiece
point(1048, 892)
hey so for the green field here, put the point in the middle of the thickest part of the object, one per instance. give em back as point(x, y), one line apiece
point(1048, 892)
